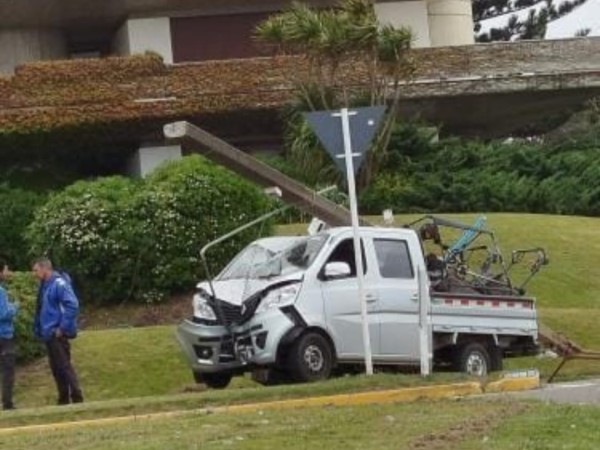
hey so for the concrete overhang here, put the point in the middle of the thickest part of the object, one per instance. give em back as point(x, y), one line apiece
point(108, 13)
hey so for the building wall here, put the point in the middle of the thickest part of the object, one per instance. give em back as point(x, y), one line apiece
point(411, 14)
point(18, 46)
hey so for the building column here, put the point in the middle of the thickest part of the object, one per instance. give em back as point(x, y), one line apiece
point(409, 14)
point(23, 45)
point(140, 35)
point(149, 156)
point(450, 22)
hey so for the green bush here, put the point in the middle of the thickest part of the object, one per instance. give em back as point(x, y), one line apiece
point(84, 230)
point(184, 205)
point(461, 176)
point(17, 207)
point(121, 239)
point(22, 287)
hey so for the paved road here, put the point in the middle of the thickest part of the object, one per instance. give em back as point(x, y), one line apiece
point(587, 391)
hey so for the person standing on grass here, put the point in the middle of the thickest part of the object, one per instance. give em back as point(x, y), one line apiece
point(56, 323)
point(8, 311)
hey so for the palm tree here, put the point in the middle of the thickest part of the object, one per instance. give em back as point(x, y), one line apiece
point(335, 44)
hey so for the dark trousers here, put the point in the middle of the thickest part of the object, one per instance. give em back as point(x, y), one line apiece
point(67, 384)
point(7, 363)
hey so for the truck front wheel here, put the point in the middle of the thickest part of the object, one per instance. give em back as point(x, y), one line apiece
point(473, 359)
point(310, 358)
point(216, 380)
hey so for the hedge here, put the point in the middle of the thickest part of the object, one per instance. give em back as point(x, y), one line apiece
point(17, 207)
point(455, 175)
point(22, 287)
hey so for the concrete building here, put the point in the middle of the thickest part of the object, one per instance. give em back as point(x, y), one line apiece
point(184, 31)
point(187, 30)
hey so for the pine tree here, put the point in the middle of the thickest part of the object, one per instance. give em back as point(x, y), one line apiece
point(541, 13)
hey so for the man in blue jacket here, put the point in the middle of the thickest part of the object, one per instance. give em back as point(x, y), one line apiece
point(55, 323)
point(8, 312)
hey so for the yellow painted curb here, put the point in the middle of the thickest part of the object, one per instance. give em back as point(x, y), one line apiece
point(510, 384)
point(361, 398)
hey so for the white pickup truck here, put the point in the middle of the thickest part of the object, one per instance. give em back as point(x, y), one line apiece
point(289, 307)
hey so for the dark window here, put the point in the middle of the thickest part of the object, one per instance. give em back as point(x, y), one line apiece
point(393, 259)
point(344, 252)
point(204, 38)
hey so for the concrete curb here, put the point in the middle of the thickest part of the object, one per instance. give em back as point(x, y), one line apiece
point(512, 384)
point(360, 398)
point(365, 398)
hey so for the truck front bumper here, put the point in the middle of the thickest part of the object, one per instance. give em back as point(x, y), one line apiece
point(214, 348)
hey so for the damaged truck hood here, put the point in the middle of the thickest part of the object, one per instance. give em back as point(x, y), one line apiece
point(235, 292)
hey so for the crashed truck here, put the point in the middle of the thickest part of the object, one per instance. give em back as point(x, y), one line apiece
point(287, 308)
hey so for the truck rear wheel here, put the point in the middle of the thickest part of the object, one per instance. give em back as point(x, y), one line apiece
point(310, 358)
point(473, 359)
point(216, 380)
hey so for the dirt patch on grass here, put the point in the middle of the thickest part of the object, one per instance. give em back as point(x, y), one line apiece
point(467, 429)
point(173, 311)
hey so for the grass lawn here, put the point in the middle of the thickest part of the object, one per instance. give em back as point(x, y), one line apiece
point(133, 370)
point(141, 370)
point(118, 363)
point(138, 362)
point(465, 424)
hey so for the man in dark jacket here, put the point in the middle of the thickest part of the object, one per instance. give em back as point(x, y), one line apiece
point(55, 323)
point(8, 312)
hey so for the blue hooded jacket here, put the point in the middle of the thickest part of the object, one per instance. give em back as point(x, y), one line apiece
point(8, 311)
point(57, 308)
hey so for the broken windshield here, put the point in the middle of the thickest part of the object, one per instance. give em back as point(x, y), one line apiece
point(252, 256)
point(303, 253)
point(262, 263)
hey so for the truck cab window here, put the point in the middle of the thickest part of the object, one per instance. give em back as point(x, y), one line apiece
point(344, 252)
point(393, 259)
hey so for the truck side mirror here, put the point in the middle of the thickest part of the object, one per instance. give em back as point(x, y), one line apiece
point(336, 270)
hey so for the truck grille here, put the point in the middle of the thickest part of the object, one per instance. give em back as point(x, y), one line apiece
point(227, 313)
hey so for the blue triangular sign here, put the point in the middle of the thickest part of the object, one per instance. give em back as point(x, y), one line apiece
point(364, 123)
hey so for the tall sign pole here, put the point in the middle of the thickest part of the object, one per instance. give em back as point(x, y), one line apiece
point(348, 149)
point(424, 325)
point(360, 277)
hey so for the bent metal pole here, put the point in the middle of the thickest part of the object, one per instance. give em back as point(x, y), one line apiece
point(195, 139)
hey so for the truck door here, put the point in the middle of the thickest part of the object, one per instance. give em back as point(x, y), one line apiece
point(398, 299)
point(342, 306)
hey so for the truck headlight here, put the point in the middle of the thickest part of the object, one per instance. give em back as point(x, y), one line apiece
point(202, 310)
point(282, 296)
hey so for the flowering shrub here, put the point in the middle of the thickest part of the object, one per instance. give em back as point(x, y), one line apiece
point(121, 239)
point(84, 229)
point(183, 206)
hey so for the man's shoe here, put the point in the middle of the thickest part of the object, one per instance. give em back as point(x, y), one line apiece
point(8, 407)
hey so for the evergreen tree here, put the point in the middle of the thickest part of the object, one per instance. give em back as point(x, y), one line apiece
point(529, 25)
